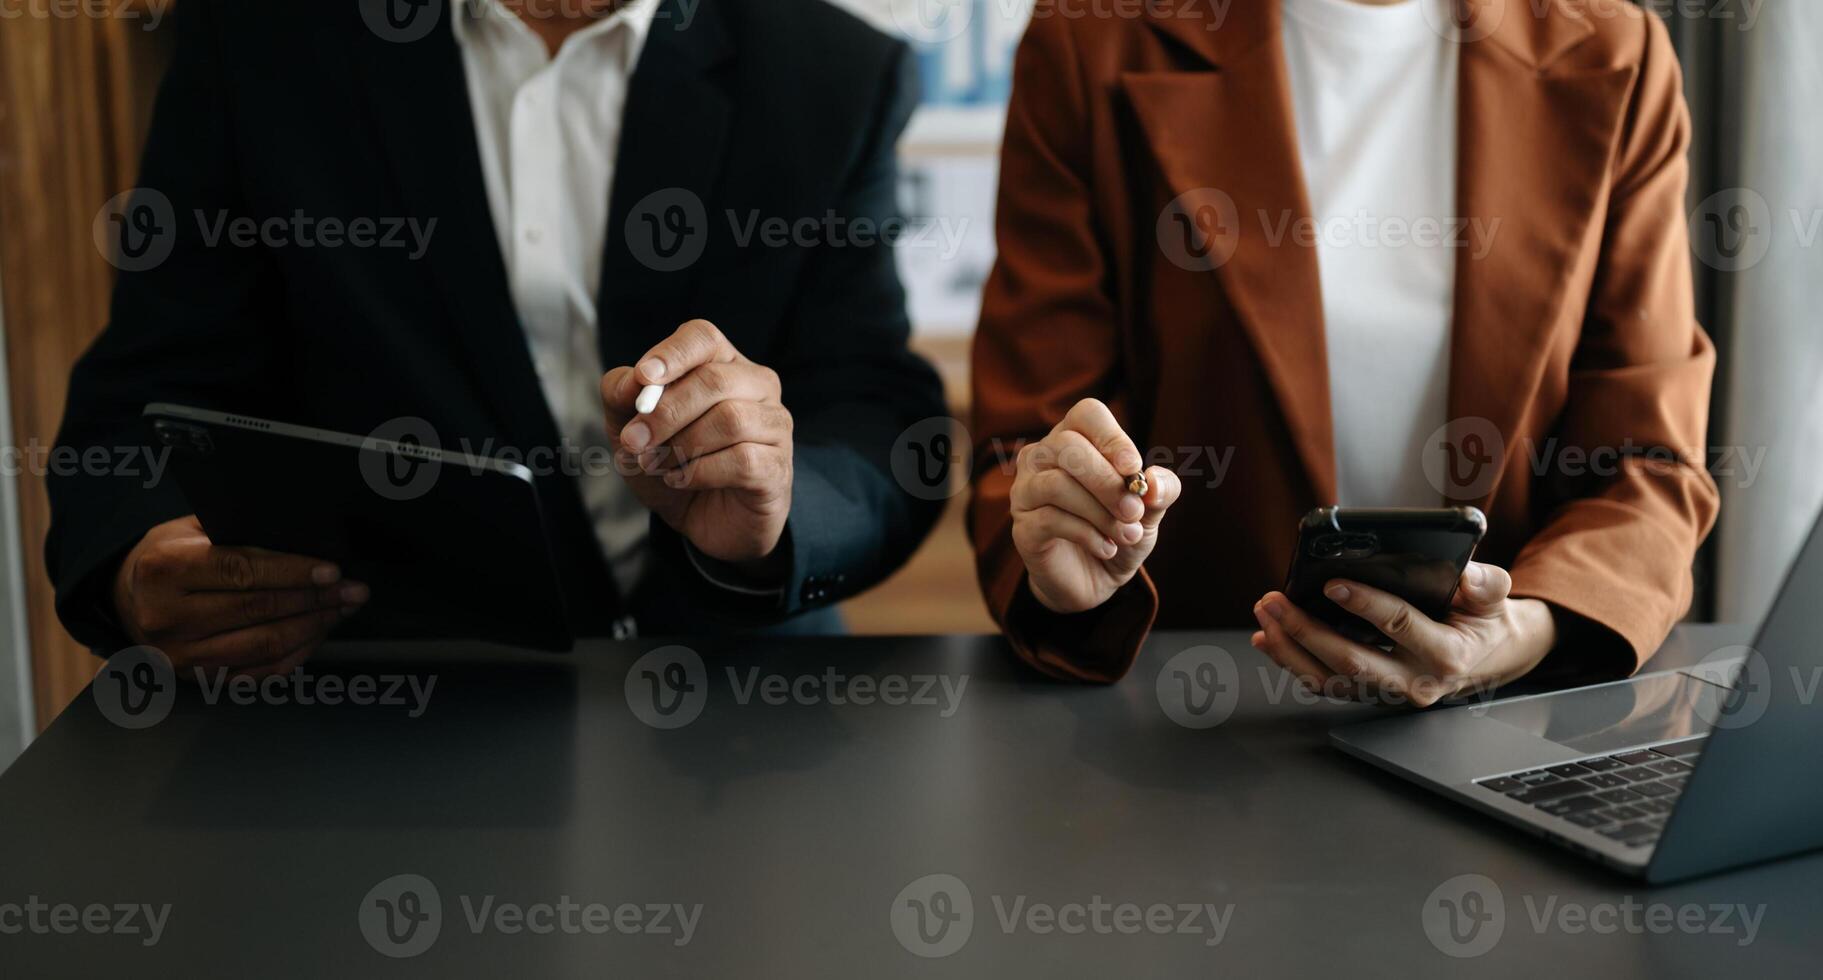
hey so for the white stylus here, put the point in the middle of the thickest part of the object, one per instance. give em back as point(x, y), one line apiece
point(648, 398)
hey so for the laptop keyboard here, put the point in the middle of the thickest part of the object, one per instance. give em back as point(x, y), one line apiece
point(1624, 797)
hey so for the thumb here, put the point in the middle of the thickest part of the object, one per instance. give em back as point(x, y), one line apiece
point(617, 395)
point(1163, 490)
point(1483, 588)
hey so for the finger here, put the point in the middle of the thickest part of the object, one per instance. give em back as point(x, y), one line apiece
point(1483, 588)
point(696, 343)
point(248, 569)
point(1057, 488)
point(1037, 531)
point(1162, 490)
point(1074, 453)
point(730, 423)
point(618, 390)
point(223, 612)
point(267, 643)
point(1402, 623)
point(1343, 657)
point(1096, 422)
point(748, 466)
point(1272, 641)
point(692, 396)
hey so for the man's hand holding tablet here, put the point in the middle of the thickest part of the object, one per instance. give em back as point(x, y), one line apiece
point(1079, 527)
point(259, 612)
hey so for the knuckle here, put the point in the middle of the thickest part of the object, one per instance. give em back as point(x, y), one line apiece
point(156, 563)
point(707, 332)
point(667, 417)
point(1399, 621)
point(733, 419)
point(259, 605)
point(714, 380)
point(1042, 484)
point(1088, 408)
point(234, 570)
point(750, 459)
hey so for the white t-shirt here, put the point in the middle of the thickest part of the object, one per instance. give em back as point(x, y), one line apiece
point(1374, 91)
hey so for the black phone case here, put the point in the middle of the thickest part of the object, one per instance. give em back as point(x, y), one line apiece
point(1417, 554)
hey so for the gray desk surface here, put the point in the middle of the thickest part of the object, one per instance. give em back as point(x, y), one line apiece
point(802, 828)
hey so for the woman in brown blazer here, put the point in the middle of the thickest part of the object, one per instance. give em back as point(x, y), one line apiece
point(1155, 304)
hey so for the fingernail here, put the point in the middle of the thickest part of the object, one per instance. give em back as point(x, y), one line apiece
point(1274, 610)
point(325, 574)
point(675, 478)
point(1258, 640)
point(1108, 548)
point(1337, 592)
point(652, 368)
point(1131, 533)
point(1476, 576)
point(354, 593)
point(1259, 613)
point(635, 436)
point(1131, 509)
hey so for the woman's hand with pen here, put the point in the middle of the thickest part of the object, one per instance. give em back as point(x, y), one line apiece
point(1086, 510)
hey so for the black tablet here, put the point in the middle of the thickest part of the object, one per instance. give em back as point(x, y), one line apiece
point(452, 545)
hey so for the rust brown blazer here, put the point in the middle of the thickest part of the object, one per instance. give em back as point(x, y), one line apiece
point(1574, 332)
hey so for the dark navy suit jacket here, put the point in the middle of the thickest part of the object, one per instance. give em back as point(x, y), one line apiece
point(768, 109)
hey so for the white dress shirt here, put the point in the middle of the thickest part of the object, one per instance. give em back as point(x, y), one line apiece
point(549, 133)
point(1374, 91)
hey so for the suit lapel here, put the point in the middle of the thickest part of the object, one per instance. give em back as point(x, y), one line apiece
point(1534, 146)
point(673, 144)
point(1229, 128)
point(420, 97)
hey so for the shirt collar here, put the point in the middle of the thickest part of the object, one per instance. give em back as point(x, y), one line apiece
point(637, 15)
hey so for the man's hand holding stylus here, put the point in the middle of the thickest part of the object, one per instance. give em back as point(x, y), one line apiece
point(713, 458)
point(1080, 530)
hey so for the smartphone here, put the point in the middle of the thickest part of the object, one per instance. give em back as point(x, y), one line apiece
point(1416, 553)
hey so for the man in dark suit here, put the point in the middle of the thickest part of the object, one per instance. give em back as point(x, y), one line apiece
point(503, 219)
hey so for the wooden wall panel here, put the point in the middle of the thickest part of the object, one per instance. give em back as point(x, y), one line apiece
point(73, 100)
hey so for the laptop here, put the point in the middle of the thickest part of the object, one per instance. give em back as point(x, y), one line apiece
point(1663, 776)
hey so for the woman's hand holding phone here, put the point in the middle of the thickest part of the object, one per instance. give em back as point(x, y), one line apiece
point(1080, 532)
point(1488, 639)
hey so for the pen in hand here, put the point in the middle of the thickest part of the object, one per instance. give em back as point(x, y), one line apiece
point(648, 399)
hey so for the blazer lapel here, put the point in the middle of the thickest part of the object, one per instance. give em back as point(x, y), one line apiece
point(1534, 146)
point(1229, 129)
point(673, 143)
point(420, 97)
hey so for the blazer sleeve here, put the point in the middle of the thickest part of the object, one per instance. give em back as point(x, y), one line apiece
point(1619, 553)
point(853, 386)
point(1049, 336)
point(186, 327)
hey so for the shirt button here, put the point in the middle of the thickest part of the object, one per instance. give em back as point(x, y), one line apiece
point(534, 235)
